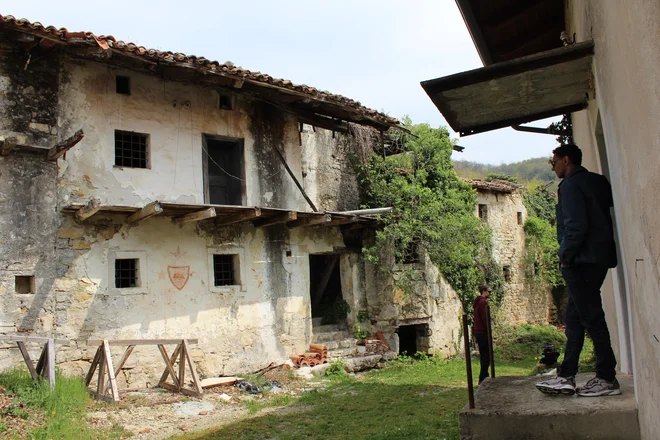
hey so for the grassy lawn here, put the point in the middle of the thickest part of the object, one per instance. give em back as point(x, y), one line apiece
point(408, 400)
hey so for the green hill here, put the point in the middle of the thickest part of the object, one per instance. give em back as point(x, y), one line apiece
point(524, 171)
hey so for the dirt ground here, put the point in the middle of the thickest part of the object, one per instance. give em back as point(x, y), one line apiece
point(159, 414)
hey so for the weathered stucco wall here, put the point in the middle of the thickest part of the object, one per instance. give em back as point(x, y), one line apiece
point(522, 302)
point(627, 89)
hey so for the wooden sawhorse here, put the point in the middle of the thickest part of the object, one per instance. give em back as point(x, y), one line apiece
point(45, 368)
point(107, 376)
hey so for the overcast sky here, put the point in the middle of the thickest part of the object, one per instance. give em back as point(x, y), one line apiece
point(373, 51)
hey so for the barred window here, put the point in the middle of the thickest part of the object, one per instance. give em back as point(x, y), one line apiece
point(126, 273)
point(131, 149)
point(224, 270)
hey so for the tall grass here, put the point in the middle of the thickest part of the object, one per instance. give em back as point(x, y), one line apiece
point(64, 407)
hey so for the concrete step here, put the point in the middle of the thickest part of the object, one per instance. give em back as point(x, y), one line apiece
point(316, 322)
point(512, 408)
point(341, 352)
point(322, 338)
point(341, 343)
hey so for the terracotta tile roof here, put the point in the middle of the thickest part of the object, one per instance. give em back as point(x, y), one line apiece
point(496, 185)
point(108, 42)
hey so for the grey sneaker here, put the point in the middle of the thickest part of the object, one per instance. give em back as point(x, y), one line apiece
point(599, 387)
point(557, 385)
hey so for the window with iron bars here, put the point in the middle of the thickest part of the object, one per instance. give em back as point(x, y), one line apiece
point(126, 273)
point(224, 269)
point(131, 149)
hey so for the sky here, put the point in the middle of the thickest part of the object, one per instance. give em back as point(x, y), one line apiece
point(373, 51)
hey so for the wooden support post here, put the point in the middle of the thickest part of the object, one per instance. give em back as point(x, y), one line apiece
point(163, 378)
point(168, 366)
point(41, 363)
point(100, 382)
point(198, 386)
point(182, 367)
point(468, 360)
point(123, 360)
point(95, 363)
point(107, 357)
point(310, 221)
point(196, 216)
point(276, 219)
point(8, 145)
point(238, 218)
point(50, 347)
point(148, 211)
point(64, 146)
point(293, 176)
point(88, 210)
point(28, 361)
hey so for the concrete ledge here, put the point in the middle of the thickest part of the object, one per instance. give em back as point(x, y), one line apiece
point(511, 408)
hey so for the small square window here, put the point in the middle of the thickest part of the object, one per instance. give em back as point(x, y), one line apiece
point(24, 284)
point(123, 85)
point(226, 102)
point(126, 273)
point(411, 254)
point(520, 218)
point(507, 273)
point(131, 149)
point(224, 270)
point(483, 212)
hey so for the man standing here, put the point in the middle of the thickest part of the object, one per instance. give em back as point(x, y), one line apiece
point(586, 252)
point(480, 330)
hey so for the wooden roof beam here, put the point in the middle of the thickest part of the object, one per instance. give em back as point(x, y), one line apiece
point(276, 219)
point(148, 211)
point(310, 221)
point(238, 218)
point(91, 208)
point(58, 150)
point(196, 216)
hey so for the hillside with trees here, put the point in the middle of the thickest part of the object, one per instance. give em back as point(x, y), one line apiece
point(524, 171)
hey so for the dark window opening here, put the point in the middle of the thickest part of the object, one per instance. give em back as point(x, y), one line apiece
point(520, 218)
point(414, 338)
point(225, 102)
point(123, 85)
point(126, 273)
point(411, 254)
point(24, 284)
point(224, 270)
point(325, 288)
point(483, 212)
point(131, 149)
point(507, 273)
point(225, 173)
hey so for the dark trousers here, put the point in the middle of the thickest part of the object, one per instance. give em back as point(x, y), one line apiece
point(484, 355)
point(585, 312)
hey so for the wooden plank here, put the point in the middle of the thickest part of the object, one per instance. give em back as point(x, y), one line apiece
point(182, 368)
point(325, 278)
point(276, 219)
point(64, 146)
point(100, 382)
point(123, 359)
point(28, 361)
point(293, 176)
point(168, 386)
point(196, 216)
point(192, 393)
point(8, 146)
point(92, 368)
point(41, 362)
point(193, 372)
point(168, 365)
point(310, 221)
point(238, 218)
point(107, 355)
point(140, 341)
point(218, 381)
point(26, 339)
point(342, 221)
point(178, 349)
point(91, 208)
point(322, 121)
point(50, 347)
point(148, 211)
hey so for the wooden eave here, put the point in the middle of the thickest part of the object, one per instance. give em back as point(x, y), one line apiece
point(228, 214)
point(534, 87)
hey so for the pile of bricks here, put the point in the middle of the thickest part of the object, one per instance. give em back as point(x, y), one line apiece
point(318, 354)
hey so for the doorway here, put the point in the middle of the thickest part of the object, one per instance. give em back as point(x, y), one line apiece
point(224, 171)
point(325, 289)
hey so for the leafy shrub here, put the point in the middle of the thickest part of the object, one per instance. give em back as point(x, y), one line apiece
point(524, 341)
point(336, 368)
point(359, 333)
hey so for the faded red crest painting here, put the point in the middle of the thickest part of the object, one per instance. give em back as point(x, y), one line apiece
point(179, 275)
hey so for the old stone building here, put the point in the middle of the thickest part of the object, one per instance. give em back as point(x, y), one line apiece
point(198, 200)
point(500, 204)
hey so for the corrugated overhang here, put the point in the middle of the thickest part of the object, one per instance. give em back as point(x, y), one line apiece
point(515, 92)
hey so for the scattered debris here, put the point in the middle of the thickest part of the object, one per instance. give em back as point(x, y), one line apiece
point(248, 387)
point(318, 354)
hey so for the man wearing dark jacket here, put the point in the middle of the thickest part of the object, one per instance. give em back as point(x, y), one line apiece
point(480, 330)
point(586, 252)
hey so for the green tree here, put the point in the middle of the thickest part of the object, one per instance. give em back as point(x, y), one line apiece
point(432, 208)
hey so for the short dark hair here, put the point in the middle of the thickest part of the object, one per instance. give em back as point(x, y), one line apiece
point(572, 151)
point(484, 288)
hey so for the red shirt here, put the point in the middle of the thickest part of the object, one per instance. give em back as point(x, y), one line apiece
point(480, 307)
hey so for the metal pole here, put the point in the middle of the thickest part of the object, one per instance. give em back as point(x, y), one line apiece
point(468, 360)
point(490, 344)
